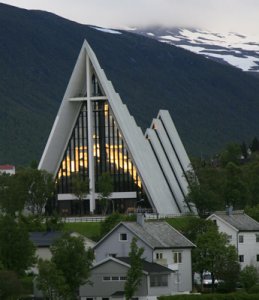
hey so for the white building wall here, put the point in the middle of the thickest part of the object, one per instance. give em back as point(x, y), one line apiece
point(183, 270)
point(249, 248)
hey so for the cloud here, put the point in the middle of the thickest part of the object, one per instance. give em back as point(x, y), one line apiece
point(228, 15)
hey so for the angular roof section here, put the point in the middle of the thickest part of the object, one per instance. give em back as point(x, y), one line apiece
point(158, 235)
point(239, 220)
point(165, 190)
point(45, 239)
point(149, 267)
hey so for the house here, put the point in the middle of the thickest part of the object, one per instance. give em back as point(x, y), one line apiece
point(163, 247)
point(109, 276)
point(7, 169)
point(44, 240)
point(242, 232)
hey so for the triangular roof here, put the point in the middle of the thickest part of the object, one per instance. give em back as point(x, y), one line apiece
point(157, 235)
point(161, 187)
point(238, 220)
point(148, 267)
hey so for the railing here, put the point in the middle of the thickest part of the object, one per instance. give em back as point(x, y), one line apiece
point(84, 219)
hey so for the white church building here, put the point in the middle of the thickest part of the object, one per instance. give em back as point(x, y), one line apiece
point(94, 133)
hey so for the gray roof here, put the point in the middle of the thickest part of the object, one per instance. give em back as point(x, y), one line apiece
point(239, 220)
point(45, 239)
point(148, 266)
point(159, 235)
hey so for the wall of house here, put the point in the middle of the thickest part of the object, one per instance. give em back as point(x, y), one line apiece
point(101, 288)
point(183, 270)
point(44, 253)
point(228, 230)
point(249, 248)
point(113, 245)
point(163, 290)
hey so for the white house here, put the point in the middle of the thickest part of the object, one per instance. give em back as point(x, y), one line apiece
point(242, 232)
point(164, 247)
point(7, 169)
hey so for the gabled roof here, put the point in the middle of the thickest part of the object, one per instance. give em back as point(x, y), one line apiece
point(238, 219)
point(45, 239)
point(148, 267)
point(157, 235)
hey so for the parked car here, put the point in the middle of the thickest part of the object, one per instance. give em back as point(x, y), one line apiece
point(207, 280)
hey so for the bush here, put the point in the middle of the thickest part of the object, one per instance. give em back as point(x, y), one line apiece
point(254, 289)
point(232, 296)
point(248, 277)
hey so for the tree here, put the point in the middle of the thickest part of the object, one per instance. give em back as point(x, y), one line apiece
point(10, 285)
point(232, 153)
point(80, 188)
point(16, 250)
point(40, 188)
point(73, 261)
point(134, 273)
point(248, 277)
point(12, 194)
point(105, 188)
point(212, 254)
point(50, 280)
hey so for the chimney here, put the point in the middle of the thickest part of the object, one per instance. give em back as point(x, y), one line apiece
point(141, 219)
point(229, 210)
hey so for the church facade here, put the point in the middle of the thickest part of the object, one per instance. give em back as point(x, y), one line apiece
point(94, 134)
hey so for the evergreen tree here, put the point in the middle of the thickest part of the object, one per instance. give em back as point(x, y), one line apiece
point(134, 273)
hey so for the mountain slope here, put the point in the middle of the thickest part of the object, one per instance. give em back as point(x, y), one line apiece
point(211, 104)
point(230, 48)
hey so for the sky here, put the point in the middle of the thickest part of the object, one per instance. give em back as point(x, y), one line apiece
point(240, 16)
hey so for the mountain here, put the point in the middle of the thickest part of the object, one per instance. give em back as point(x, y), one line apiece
point(232, 48)
point(212, 104)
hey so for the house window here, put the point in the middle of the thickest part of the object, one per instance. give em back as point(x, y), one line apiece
point(105, 298)
point(112, 254)
point(177, 257)
point(257, 257)
point(229, 237)
point(257, 238)
point(158, 280)
point(106, 278)
point(115, 278)
point(241, 239)
point(159, 255)
point(123, 237)
point(123, 278)
point(241, 258)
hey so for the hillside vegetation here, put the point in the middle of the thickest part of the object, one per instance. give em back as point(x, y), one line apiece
point(211, 104)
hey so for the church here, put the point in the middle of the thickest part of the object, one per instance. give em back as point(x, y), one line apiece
point(95, 134)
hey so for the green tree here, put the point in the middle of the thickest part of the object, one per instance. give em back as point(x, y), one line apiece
point(13, 194)
point(51, 281)
point(16, 250)
point(232, 153)
point(40, 188)
point(254, 145)
point(210, 255)
point(134, 273)
point(235, 191)
point(80, 188)
point(248, 277)
point(73, 261)
point(10, 285)
point(105, 188)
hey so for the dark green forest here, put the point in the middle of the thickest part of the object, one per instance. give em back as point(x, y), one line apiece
point(230, 178)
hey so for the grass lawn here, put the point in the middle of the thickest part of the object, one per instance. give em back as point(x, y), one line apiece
point(180, 223)
point(88, 229)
